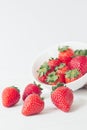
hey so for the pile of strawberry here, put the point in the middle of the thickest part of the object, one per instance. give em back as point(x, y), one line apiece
point(68, 66)
point(61, 96)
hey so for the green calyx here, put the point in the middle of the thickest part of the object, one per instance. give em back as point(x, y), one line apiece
point(39, 85)
point(42, 98)
point(43, 69)
point(52, 77)
point(58, 85)
point(61, 49)
point(80, 52)
point(15, 88)
point(60, 66)
point(72, 73)
point(51, 58)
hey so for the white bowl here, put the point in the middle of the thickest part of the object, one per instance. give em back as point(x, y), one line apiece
point(53, 52)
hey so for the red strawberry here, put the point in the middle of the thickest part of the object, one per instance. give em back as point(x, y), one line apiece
point(44, 68)
point(42, 79)
point(43, 72)
point(62, 98)
point(62, 68)
point(31, 88)
point(33, 104)
point(80, 63)
point(53, 78)
point(10, 96)
point(53, 63)
point(72, 75)
point(65, 54)
point(61, 78)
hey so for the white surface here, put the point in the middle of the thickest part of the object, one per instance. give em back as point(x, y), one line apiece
point(27, 28)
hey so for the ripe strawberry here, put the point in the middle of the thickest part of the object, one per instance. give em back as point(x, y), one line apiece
point(53, 62)
point(65, 54)
point(72, 75)
point(43, 72)
point(10, 96)
point(62, 68)
point(31, 88)
point(62, 97)
point(80, 63)
point(33, 104)
point(44, 68)
point(43, 79)
point(53, 78)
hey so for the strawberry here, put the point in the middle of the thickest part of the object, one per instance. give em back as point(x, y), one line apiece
point(43, 72)
point(62, 68)
point(33, 104)
point(72, 75)
point(54, 78)
point(53, 62)
point(80, 63)
point(10, 96)
point(62, 97)
point(44, 68)
point(31, 88)
point(42, 79)
point(65, 54)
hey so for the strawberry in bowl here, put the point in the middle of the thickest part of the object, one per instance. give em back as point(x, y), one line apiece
point(68, 64)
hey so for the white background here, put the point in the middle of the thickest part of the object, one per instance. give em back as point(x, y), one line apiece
point(27, 27)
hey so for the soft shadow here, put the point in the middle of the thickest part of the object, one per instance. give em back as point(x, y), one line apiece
point(49, 110)
point(78, 104)
point(81, 92)
point(19, 103)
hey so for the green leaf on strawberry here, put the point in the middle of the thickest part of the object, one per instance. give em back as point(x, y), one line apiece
point(58, 85)
point(39, 85)
point(43, 69)
point(61, 49)
point(60, 66)
point(72, 73)
point(51, 58)
point(80, 52)
point(16, 88)
point(52, 77)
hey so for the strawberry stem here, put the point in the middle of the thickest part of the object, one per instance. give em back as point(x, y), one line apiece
point(43, 69)
point(72, 73)
point(61, 49)
point(16, 88)
point(58, 85)
point(52, 77)
point(80, 52)
point(39, 85)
